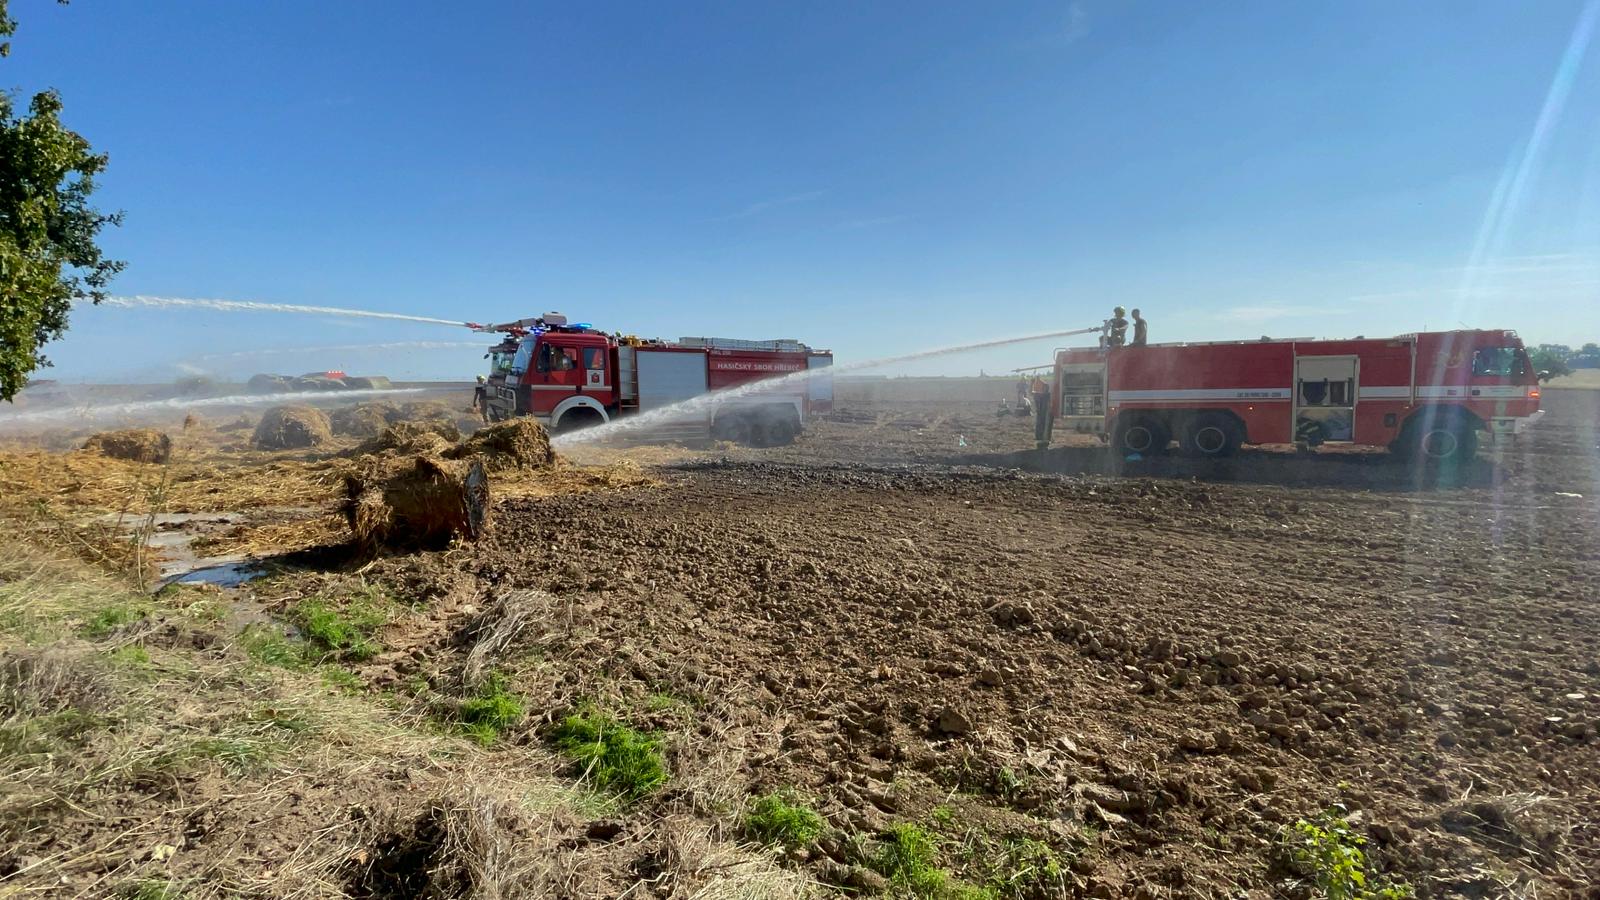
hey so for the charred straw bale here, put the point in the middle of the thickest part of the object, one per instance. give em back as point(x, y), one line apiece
point(363, 420)
point(292, 427)
point(137, 444)
point(518, 444)
point(418, 502)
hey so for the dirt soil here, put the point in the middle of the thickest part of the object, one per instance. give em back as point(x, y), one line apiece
point(1153, 674)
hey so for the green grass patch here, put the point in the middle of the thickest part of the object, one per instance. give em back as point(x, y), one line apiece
point(118, 615)
point(1023, 868)
point(909, 857)
point(783, 818)
point(1328, 851)
point(239, 754)
point(342, 680)
point(343, 630)
point(266, 644)
point(491, 711)
point(151, 889)
point(612, 756)
point(46, 733)
point(132, 657)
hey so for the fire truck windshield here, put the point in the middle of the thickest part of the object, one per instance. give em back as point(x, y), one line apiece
point(1499, 361)
point(519, 363)
point(500, 361)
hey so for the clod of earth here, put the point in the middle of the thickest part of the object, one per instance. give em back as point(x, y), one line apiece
point(416, 502)
point(136, 444)
point(292, 427)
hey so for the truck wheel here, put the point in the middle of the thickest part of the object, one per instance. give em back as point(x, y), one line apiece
point(1211, 436)
point(775, 432)
point(734, 427)
point(1144, 435)
point(1446, 442)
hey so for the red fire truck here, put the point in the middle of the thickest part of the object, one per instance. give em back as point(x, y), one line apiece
point(1430, 395)
point(573, 376)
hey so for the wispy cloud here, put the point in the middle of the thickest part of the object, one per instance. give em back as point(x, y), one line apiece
point(756, 209)
point(1077, 26)
point(874, 222)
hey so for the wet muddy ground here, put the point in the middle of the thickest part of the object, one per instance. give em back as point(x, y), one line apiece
point(1155, 671)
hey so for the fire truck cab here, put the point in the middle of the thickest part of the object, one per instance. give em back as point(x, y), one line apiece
point(1431, 395)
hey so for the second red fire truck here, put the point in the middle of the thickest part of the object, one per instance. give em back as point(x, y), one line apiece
point(1431, 395)
point(573, 376)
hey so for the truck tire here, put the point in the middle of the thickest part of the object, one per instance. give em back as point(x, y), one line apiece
point(1211, 436)
point(1142, 434)
point(1437, 438)
point(576, 419)
point(773, 431)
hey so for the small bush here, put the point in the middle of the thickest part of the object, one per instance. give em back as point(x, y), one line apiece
point(491, 711)
point(1328, 851)
point(613, 756)
point(782, 818)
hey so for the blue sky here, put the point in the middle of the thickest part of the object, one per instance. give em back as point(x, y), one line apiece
point(876, 178)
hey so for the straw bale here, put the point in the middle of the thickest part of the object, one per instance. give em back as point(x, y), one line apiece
point(136, 444)
point(292, 427)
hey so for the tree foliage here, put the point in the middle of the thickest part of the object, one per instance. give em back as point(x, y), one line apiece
point(1548, 361)
point(48, 230)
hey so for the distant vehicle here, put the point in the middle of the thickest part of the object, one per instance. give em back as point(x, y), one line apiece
point(572, 376)
point(1430, 395)
point(316, 381)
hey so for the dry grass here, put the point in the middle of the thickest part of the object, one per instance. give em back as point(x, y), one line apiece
point(162, 759)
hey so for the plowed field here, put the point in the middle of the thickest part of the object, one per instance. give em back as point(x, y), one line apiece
point(1155, 672)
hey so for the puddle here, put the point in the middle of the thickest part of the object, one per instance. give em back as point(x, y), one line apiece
point(227, 574)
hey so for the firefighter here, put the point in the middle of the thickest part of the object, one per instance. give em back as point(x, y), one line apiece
point(1117, 328)
point(1041, 413)
point(1141, 330)
point(480, 399)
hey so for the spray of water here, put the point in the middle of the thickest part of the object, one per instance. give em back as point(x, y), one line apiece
point(257, 306)
point(698, 407)
point(148, 408)
point(335, 348)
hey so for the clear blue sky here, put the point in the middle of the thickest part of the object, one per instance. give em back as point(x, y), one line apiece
point(875, 178)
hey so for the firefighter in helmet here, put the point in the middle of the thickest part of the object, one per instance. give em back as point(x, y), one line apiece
point(480, 399)
point(1117, 328)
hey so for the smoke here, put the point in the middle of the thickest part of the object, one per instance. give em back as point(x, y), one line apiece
point(258, 306)
point(337, 348)
point(146, 408)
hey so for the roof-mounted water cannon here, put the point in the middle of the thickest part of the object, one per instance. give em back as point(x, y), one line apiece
point(550, 321)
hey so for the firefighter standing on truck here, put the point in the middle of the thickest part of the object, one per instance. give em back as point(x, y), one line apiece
point(1141, 330)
